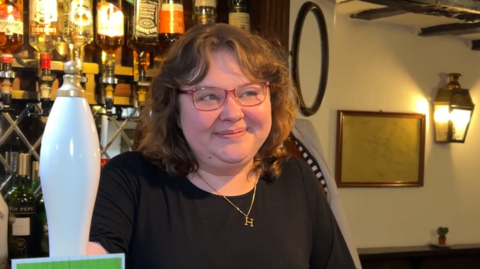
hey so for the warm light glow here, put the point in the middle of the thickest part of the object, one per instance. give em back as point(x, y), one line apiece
point(104, 56)
point(442, 114)
point(460, 119)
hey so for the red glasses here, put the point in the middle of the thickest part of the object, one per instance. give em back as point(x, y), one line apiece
point(212, 98)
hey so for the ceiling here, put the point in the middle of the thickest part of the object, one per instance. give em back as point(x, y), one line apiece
point(429, 25)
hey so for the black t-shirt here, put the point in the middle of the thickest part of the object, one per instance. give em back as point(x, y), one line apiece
point(161, 222)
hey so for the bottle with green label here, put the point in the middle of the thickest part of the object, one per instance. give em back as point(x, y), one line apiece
point(22, 209)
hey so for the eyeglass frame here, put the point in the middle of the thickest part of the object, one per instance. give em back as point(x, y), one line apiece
point(191, 92)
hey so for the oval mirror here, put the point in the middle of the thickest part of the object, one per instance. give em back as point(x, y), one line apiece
point(322, 61)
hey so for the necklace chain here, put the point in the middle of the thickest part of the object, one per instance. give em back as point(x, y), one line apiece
point(248, 220)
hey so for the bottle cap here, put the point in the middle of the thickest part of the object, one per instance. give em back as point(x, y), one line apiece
point(35, 171)
point(24, 162)
point(45, 61)
point(7, 58)
point(206, 3)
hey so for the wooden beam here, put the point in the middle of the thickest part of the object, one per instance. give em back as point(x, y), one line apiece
point(475, 45)
point(377, 13)
point(451, 29)
point(465, 10)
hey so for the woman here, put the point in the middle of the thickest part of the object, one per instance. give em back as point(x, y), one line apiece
point(210, 186)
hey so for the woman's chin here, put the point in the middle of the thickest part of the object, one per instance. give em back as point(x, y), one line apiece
point(234, 157)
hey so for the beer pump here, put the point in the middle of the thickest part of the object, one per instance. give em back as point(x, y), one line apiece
point(70, 152)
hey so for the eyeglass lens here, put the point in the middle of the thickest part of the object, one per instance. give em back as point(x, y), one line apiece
point(212, 98)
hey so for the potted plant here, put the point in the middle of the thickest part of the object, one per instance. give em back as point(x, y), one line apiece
point(442, 232)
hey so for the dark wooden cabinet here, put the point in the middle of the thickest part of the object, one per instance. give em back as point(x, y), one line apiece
point(421, 257)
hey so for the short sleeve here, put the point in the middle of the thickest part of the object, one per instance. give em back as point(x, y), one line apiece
point(329, 249)
point(114, 211)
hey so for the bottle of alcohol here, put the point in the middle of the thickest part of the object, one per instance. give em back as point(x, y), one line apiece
point(11, 38)
point(144, 26)
point(172, 23)
point(110, 33)
point(3, 233)
point(40, 225)
point(41, 230)
point(44, 38)
point(11, 26)
point(43, 29)
point(143, 38)
point(22, 211)
point(205, 12)
point(238, 14)
point(78, 28)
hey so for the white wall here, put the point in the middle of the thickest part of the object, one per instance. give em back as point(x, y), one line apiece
point(376, 66)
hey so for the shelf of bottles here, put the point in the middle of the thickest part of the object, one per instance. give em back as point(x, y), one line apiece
point(117, 47)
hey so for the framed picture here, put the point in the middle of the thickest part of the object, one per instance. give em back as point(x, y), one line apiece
point(379, 149)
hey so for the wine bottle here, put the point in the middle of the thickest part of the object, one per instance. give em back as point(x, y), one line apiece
point(3, 233)
point(40, 225)
point(22, 211)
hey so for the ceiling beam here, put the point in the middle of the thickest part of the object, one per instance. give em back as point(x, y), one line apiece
point(377, 13)
point(465, 10)
point(451, 29)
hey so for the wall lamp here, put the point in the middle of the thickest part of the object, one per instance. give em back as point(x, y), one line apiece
point(453, 109)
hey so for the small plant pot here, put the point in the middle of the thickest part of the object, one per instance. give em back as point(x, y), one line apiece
point(442, 240)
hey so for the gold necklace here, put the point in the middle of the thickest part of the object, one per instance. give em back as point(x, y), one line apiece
point(248, 220)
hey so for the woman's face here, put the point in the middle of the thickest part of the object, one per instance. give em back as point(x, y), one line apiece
point(231, 135)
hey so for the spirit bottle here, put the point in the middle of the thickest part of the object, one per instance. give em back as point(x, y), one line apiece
point(205, 12)
point(22, 211)
point(172, 23)
point(43, 29)
point(11, 25)
point(44, 38)
point(143, 40)
point(110, 37)
point(110, 33)
point(78, 28)
point(11, 38)
point(238, 14)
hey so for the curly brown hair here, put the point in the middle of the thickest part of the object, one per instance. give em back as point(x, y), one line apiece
point(187, 63)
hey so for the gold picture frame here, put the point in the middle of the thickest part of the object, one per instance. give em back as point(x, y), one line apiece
point(379, 149)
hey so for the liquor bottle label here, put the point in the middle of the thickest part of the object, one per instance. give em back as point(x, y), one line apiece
point(146, 21)
point(171, 19)
point(80, 14)
point(19, 218)
point(9, 26)
point(240, 20)
point(109, 20)
point(21, 227)
point(42, 15)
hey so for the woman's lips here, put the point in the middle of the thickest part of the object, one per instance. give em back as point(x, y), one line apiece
point(232, 133)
